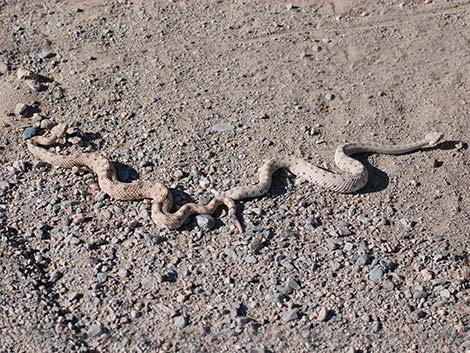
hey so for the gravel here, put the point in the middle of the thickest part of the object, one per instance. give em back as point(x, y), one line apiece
point(196, 96)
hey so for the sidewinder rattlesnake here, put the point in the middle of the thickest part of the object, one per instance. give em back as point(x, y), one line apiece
point(354, 178)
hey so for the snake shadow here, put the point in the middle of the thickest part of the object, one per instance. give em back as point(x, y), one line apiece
point(379, 180)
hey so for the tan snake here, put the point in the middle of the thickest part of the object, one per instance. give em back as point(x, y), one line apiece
point(354, 177)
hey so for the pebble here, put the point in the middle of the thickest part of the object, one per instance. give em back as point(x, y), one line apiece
point(204, 183)
point(101, 277)
point(3, 68)
point(72, 296)
point(323, 314)
point(292, 284)
point(316, 48)
point(363, 260)
point(407, 223)
point(205, 222)
point(45, 54)
point(331, 244)
point(222, 127)
point(181, 321)
point(251, 260)
point(329, 96)
point(21, 109)
point(420, 293)
point(55, 276)
point(343, 231)
point(29, 132)
point(123, 273)
point(275, 297)
point(24, 74)
point(376, 274)
point(290, 315)
point(420, 314)
point(19, 165)
point(4, 185)
point(445, 293)
point(47, 124)
point(95, 330)
point(178, 174)
point(256, 245)
point(38, 117)
point(348, 246)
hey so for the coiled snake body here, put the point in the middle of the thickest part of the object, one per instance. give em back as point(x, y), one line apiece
point(354, 177)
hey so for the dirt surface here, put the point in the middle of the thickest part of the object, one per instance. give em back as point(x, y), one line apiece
point(197, 96)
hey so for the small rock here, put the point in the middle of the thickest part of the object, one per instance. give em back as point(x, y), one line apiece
point(204, 183)
point(23, 74)
point(363, 260)
point(178, 174)
point(256, 245)
point(343, 231)
point(323, 314)
point(387, 264)
point(78, 218)
point(331, 244)
point(420, 293)
point(348, 246)
point(123, 273)
point(3, 68)
point(205, 222)
point(95, 330)
point(47, 124)
point(55, 276)
point(292, 284)
point(45, 54)
point(58, 93)
point(19, 165)
point(290, 315)
point(29, 132)
point(420, 314)
point(4, 185)
point(316, 48)
point(426, 275)
point(445, 293)
point(251, 259)
point(376, 274)
point(275, 297)
point(181, 321)
point(74, 240)
point(222, 127)
point(407, 223)
point(73, 296)
point(21, 109)
point(329, 96)
point(101, 277)
point(38, 117)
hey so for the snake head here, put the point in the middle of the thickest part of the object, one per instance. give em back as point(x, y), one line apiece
point(433, 138)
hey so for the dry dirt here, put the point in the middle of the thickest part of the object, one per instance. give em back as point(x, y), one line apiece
point(197, 95)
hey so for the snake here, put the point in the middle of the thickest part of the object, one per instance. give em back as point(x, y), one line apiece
point(354, 176)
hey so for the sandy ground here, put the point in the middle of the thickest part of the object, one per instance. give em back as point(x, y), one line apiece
point(197, 95)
